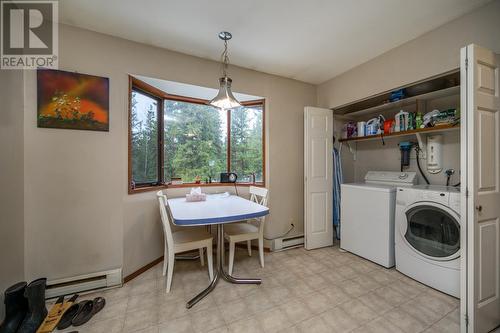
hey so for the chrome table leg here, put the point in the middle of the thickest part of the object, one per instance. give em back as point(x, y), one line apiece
point(205, 292)
point(235, 280)
point(219, 272)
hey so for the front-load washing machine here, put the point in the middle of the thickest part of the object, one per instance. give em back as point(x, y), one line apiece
point(427, 236)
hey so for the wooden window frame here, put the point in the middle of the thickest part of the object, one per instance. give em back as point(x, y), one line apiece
point(143, 87)
point(159, 139)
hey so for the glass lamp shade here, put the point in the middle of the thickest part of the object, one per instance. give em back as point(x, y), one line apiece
point(225, 99)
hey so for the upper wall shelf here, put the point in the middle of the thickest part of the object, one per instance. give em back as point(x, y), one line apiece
point(441, 86)
point(407, 101)
point(442, 128)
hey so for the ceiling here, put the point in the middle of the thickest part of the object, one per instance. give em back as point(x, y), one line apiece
point(307, 40)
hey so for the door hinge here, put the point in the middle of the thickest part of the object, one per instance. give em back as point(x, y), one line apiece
point(466, 320)
point(466, 63)
point(466, 192)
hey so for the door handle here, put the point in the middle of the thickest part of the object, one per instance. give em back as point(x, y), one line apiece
point(479, 208)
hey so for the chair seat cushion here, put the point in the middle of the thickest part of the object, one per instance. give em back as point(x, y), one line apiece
point(240, 228)
point(190, 235)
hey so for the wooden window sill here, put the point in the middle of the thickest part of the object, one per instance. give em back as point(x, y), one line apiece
point(186, 185)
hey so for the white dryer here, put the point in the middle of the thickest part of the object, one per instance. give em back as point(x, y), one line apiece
point(427, 236)
point(367, 215)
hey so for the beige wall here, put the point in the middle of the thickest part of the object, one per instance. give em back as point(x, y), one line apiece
point(11, 178)
point(73, 202)
point(79, 217)
point(372, 155)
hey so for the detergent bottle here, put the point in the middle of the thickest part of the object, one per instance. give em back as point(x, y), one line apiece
point(401, 120)
point(372, 126)
point(419, 121)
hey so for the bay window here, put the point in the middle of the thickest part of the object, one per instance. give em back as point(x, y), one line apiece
point(177, 139)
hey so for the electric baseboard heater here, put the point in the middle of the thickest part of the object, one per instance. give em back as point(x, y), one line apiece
point(281, 244)
point(84, 283)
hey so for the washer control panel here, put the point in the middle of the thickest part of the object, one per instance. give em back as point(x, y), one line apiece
point(391, 177)
point(438, 197)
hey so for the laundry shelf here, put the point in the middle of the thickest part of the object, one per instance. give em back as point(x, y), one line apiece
point(447, 84)
point(406, 102)
point(442, 128)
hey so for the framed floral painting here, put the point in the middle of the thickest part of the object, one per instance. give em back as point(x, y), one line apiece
point(71, 100)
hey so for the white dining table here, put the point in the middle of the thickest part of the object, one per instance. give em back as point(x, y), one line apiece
point(218, 209)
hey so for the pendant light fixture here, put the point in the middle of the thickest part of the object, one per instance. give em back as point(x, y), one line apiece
point(225, 99)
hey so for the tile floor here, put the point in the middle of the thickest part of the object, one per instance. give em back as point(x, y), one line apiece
point(322, 290)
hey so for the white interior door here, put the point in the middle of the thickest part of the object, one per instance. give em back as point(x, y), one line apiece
point(318, 169)
point(480, 188)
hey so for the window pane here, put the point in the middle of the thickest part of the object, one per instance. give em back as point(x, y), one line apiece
point(246, 143)
point(195, 141)
point(144, 128)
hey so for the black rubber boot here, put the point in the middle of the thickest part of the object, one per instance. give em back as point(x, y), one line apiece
point(16, 307)
point(35, 293)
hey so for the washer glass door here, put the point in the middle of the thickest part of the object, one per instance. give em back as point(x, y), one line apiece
point(432, 231)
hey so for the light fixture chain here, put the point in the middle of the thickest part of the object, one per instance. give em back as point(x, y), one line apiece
point(225, 59)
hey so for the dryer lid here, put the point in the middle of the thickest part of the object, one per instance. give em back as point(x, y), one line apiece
point(395, 178)
point(370, 187)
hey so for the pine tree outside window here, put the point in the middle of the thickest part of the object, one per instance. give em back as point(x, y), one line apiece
point(144, 137)
point(246, 142)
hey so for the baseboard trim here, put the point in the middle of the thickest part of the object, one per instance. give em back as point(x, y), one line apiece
point(155, 262)
point(142, 269)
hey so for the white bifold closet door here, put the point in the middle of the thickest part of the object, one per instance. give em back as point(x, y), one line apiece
point(318, 173)
point(480, 180)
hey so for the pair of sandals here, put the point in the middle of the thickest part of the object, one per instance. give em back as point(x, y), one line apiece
point(80, 313)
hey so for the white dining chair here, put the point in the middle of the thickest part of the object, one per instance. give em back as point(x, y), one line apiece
point(248, 231)
point(182, 241)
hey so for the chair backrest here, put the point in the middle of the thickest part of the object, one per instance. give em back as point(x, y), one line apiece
point(165, 220)
point(259, 195)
